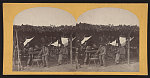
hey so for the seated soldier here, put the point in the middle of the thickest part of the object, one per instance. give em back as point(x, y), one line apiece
point(94, 47)
point(36, 50)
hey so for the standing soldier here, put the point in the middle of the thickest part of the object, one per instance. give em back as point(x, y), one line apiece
point(60, 55)
point(122, 53)
point(117, 58)
point(30, 56)
point(65, 55)
point(44, 53)
point(102, 53)
point(88, 48)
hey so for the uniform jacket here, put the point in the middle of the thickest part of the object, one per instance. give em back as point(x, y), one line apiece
point(44, 51)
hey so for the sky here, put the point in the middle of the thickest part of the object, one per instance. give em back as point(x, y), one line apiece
point(107, 16)
point(44, 16)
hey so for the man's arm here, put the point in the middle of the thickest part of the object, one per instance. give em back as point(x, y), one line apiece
point(104, 50)
point(98, 50)
point(47, 51)
point(40, 52)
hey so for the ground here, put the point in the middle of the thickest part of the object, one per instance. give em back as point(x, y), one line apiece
point(111, 67)
point(92, 68)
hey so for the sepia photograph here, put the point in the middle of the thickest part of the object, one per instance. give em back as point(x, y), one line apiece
point(48, 39)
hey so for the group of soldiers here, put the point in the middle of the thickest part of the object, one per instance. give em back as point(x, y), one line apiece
point(38, 53)
point(44, 53)
point(100, 52)
point(81, 54)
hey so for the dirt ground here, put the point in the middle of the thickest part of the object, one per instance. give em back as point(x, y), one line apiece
point(110, 67)
point(134, 67)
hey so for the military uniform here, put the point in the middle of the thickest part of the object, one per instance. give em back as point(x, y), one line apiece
point(88, 48)
point(30, 56)
point(102, 53)
point(120, 53)
point(60, 55)
point(117, 58)
point(44, 53)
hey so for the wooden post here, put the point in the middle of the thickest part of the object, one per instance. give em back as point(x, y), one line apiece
point(85, 59)
point(70, 49)
point(128, 51)
point(19, 62)
point(118, 41)
point(13, 50)
point(76, 58)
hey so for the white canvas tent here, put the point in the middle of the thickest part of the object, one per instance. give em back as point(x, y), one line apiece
point(27, 41)
point(85, 39)
point(55, 43)
point(122, 41)
point(114, 43)
point(64, 41)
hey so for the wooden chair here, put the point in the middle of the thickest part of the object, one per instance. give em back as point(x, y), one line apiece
point(37, 60)
point(94, 58)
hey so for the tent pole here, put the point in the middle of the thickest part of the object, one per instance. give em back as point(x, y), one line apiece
point(128, 49)
point(19, 63)
point(70, 49)
point(14, 53)
point(119, 41)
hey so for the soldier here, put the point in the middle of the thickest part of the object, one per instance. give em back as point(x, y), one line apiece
point(30, 56)
point(102, 53)
point(94, 47)
point(65, 55)
point(117, 58)
point(60, 55)
point(44, 53)
point(88, 48)
point(122, 53)
point(36, 50)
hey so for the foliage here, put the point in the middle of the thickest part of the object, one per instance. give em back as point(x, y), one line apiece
point(87, 29)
